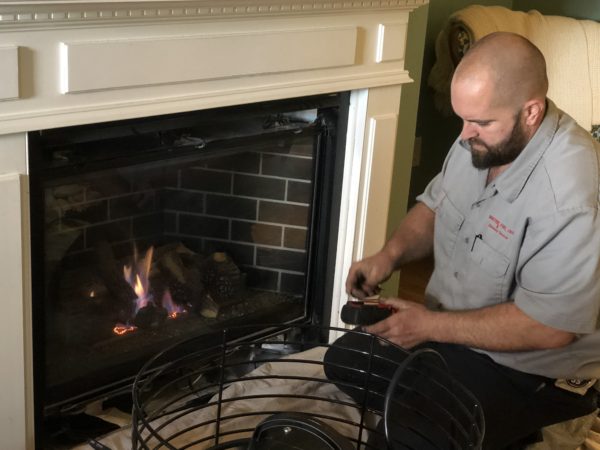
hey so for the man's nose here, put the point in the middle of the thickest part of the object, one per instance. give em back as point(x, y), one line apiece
point(468, 131)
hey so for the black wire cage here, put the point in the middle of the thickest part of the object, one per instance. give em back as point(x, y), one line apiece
point(275, 387)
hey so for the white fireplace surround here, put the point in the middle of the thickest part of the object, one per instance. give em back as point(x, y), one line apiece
point(74, 62)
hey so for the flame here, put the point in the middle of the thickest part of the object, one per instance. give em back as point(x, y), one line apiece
point(137, 275)
point(173, 309)
point(92, 294)
point(121, 329)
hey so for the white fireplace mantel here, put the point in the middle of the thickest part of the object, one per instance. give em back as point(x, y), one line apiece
point(75, 62)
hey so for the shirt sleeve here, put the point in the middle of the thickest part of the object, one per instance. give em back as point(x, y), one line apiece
point(558, 274)
point(433, 193)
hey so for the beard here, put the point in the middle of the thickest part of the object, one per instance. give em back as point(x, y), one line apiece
point(500, 154)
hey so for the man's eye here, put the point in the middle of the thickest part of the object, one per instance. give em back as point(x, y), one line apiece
point(483, 123)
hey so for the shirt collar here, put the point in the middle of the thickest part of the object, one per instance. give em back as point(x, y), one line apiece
point(510, 183)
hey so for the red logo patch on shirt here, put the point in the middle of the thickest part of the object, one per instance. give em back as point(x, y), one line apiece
point(499, 228)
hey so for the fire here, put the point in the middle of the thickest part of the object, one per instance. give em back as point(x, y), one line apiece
point(138, 277)
point(121, 329)
point(173, 309)
point(139, 288)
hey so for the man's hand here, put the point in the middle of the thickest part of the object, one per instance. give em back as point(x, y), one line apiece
point(503, 328)
point(412, 240)
point(407, 326)
point(365, 276)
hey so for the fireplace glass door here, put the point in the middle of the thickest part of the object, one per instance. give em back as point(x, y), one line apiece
point(150, 231)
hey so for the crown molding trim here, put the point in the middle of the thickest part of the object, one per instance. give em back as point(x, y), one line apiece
point(78, 12)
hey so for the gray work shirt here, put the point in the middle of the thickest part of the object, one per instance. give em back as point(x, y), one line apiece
point(532, 236)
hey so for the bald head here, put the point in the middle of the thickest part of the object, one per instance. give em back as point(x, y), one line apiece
point(507, 66)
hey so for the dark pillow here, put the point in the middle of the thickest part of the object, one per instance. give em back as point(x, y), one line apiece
point(596, 132)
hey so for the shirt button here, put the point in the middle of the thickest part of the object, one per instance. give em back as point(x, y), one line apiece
point(455, 274)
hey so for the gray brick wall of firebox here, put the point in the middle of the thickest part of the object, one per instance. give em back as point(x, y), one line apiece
point(254, 205)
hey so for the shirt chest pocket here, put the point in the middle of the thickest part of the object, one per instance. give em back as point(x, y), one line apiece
point(489, 269)
point(448, 223)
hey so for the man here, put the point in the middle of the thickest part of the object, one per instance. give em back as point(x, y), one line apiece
point(512, 221)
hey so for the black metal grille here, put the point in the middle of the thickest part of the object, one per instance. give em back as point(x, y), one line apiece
point(213, 391)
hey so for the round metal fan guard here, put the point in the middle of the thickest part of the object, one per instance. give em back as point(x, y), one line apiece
point(182, 397)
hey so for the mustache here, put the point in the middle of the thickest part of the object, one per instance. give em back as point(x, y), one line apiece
point(476, 141)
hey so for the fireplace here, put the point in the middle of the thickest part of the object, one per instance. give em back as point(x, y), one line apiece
point(73, 67)
point(153, 230)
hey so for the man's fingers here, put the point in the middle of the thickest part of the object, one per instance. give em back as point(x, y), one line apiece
point(370, 290)
point(355, 282)
point(380, 328)
point(397, 303)
point(362, 290)
point(350, 282)
point(363, 277)
point(356, 293)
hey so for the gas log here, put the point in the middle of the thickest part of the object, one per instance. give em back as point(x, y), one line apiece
point(224, 284)
point(177, 280)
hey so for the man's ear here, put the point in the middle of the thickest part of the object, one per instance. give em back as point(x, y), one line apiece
point(533, 111)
